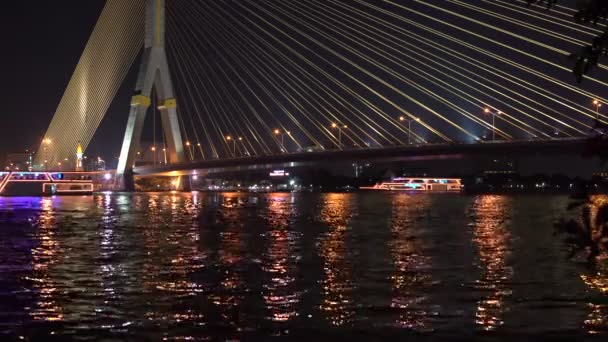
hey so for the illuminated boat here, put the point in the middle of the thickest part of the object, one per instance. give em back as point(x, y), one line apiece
point(419, 184)
point(46, 183)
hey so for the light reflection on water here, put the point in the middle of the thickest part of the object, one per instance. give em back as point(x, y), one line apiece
point(336, 288)
point(231, 284)
point(412, 267)
point(491, 215)
point(597, 278)
point(46, 307)
point(280, 259)
point(184, 266)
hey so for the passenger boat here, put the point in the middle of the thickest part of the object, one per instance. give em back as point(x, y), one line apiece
point(46, 183)
point(419, 185)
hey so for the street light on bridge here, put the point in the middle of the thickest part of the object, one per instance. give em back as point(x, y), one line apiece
point(339, 127)
point(200, 148)
point(153, 149)
point(189, 145)
point(242, 145)
point(281, 134)
point(409, 127)
point(230, 139)
point(494, 113)
point(245, 150)
point(46, 142)
point(597, 105)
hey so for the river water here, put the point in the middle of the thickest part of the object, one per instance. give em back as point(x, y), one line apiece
point(359, 265)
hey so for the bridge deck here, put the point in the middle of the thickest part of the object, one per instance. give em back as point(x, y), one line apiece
point(396, 153)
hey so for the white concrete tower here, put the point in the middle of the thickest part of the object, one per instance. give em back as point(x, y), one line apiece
point(153, 73)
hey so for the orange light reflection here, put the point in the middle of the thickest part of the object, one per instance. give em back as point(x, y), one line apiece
point(337, 287)
point(412, 268)
point(279, 294)
point(492, 239)
point(597, 319)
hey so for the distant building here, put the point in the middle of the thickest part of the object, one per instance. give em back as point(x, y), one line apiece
point(501, 166)
point(95, 164)
point(499, 173)
point(360, 168)
point(601, 175)
point(20, 161)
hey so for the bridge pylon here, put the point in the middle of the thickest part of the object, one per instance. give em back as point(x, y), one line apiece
point(154, 74)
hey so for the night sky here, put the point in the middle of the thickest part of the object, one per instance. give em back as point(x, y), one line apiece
point(44, 42)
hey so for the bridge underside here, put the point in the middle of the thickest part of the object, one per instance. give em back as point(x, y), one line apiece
point(398, 153)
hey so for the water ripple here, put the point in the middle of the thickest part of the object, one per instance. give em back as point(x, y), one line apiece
point(247, 266)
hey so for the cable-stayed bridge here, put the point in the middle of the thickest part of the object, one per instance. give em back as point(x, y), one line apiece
point(253, 82)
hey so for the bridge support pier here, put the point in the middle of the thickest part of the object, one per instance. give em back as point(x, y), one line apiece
point(154, 74)
point(126, 181)
point(185, 183)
